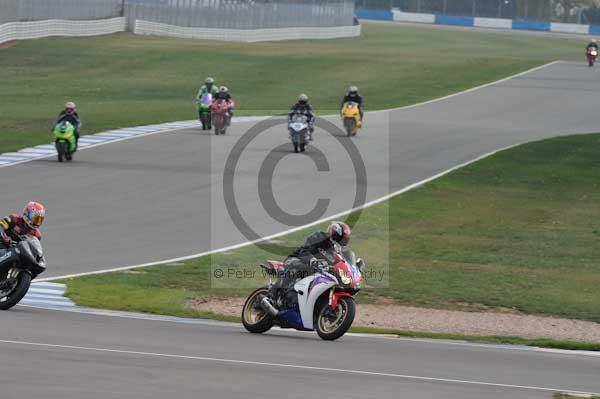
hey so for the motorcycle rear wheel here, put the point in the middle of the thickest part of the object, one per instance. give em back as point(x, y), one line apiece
point(14, 297)
point(332, 324)
point(255, 319)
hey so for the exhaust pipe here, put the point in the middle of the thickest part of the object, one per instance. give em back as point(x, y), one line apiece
point(265, 303)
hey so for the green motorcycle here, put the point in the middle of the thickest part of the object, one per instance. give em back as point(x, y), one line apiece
point(64, 140)
point(204, 112)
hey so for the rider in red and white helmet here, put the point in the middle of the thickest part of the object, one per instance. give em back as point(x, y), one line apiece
point(28, 223)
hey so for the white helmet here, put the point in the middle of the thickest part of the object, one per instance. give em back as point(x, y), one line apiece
point(209, 81)
point(303, 98)
point(223, 89)
point(353, 89)
point(70, 105)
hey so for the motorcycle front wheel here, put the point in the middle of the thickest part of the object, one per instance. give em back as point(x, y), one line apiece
point(13, 296)
point(254, 317)
point(350, 125)
point(61, 149)
point(332, 324)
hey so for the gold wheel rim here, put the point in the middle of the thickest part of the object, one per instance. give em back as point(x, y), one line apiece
point(252, 315)
point(327, 326)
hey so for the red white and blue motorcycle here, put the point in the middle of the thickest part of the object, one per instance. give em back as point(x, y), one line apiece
point(323, 301)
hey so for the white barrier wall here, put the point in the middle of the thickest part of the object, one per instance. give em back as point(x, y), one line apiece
point(398, 15)
point(495, 23)
point(569, 28)
point(57, 27)
point(245, 35)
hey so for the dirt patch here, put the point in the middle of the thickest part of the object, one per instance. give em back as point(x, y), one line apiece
point(442, 321)
point(7, 44)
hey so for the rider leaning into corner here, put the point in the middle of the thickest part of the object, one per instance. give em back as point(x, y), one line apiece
point(302, 262)
point(303, 107)
point(69, 114)
point(223, 94)
point(14, 226)
point(353, 96)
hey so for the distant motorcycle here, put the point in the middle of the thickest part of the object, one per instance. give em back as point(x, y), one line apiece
point(204, 114)
point(64, 141)
point(592, 56)
point(19, 264)
point(299, 131)
point(220, 115)
point(323, 301)
point(351, 118)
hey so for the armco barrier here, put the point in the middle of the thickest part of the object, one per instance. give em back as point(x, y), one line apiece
point(531, 25)
point(494, 23)
point(399, 15)
point(367, 13)
point(569, 28)
point(246, 35)
point(594, 29)
point(452, 20)
point(57, 27)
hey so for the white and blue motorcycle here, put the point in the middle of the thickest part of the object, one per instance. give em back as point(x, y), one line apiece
point(324, 301)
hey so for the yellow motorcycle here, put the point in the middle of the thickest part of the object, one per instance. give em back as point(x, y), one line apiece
point(351, 118)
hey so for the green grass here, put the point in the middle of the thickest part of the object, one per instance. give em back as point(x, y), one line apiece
point(561, 395)
point(516, 230)
point(125, 80)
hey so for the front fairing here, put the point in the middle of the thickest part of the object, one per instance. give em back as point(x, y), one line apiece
point(309, 290)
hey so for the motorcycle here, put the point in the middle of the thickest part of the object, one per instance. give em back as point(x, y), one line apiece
point(19, 264)
point(592, 56)
point(323, 301)
point(351, 118)
point(64, 141)
point(299, 132)
point(220, 115)
point(204, 114)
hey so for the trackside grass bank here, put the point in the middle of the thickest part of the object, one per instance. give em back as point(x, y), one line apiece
point(124, 80)
point(517, 231)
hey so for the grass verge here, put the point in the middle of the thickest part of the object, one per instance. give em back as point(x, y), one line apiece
point(517, 230)
point(125, 80)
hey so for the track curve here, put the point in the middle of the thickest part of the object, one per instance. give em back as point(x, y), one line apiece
point(161, 196)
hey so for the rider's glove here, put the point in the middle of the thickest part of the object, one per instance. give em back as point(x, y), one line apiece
point(5, 239)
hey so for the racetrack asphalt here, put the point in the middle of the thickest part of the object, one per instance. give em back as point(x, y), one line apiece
point(161, 196)
point(54, 354)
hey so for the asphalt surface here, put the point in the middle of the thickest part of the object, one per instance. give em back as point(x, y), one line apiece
point(68, 355)
point(161, 196)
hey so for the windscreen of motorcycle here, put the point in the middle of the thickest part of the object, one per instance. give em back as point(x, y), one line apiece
point(206, 99)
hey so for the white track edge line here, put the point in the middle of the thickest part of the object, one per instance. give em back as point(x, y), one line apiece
point(292, 366)
point(218, 323)
point(174, 128)
point(289, 231)
point(368, 204)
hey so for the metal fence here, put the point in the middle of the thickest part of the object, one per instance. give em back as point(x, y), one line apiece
point(231, 14)
point(243, 14)
point(540, 10)
point(35, 10)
